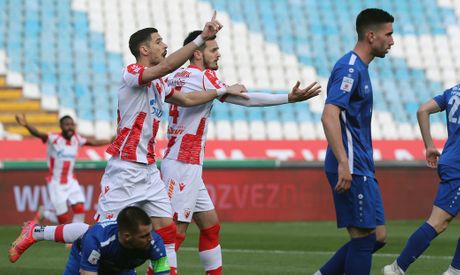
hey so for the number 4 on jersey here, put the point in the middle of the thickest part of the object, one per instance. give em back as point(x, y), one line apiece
point(174, 112)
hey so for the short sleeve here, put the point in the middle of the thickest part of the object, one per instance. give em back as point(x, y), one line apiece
point(51, 137)
point(81, 140)
point(441, 100)
point(343, 83)
point(90, 253)
point(132, 75)
point(211, 82)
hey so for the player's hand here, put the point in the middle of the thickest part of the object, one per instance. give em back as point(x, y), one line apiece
point(432, 155)
point(344, 180)
point(21, 119)
point(298, 94)
point(237, 90)
point(211, 28)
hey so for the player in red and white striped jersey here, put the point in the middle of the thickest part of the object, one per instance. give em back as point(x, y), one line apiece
point(182, 165)
point(131, 176)
point(62, 184)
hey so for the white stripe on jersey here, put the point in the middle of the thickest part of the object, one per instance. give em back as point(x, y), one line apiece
point(352, 59)
point(108, 241)
point(349, 142)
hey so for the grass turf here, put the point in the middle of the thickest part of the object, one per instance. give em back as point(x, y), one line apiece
point(258, 248)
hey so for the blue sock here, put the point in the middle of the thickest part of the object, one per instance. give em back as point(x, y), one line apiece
point(359, 256)
point(336, 264)
point(416, 245)
point(456, 260)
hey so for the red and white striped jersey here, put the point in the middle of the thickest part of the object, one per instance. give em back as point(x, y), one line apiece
point(140, 107)
point(187, 126)
point(62, 154)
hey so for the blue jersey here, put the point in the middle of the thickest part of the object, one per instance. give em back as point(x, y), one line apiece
point(99, 250)
point(349, 88)
point(449, 162)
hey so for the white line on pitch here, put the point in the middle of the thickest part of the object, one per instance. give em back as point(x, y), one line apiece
point(296, 252)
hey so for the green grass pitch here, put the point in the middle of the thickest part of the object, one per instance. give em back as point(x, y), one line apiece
point(258, 248)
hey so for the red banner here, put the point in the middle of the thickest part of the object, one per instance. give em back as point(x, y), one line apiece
point(287, 194)
point(310, 150)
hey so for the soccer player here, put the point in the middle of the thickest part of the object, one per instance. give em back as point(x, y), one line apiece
point(63, 187)
point(446, 203)
point(109, 247)
point(349, 163)
point(131, 176)
point(182, 165)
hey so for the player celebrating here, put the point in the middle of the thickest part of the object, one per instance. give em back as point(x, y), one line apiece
point(63, 187)
point(446, 205)
point(349, 163)
point(131, 176)
point(182, 165)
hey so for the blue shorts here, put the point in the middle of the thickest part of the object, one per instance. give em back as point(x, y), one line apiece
point(448, 197)
point(361, 206)
point(73, 264)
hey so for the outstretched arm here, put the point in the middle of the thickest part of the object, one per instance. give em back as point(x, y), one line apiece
point(198, 98)
point(266, 99)
point(333, 132)
point(179, 57)
point(97, 142)
point(423, 116)
point(22, 120)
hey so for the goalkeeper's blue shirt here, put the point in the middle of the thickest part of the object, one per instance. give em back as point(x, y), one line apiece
point(99, 250)
point(349, 88)
point(449, 162)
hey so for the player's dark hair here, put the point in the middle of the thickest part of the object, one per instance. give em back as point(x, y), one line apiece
point(370, 18)
point(61, 120)
point(138, 38)
point(194, 34)
point(130, 218)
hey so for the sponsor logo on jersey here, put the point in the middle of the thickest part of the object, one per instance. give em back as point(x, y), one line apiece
point(94, 257)
point(347, 84)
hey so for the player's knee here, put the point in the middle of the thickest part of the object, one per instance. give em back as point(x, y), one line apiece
point(381, 235)
point(64, 218)
point(439, 226)
point(209, 237)
point(78, 208)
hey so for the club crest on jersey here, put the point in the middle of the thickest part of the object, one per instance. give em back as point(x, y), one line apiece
point(94, 257)
point(186, 212)
point(181, 186)
point(347, 84)
point(134, 68)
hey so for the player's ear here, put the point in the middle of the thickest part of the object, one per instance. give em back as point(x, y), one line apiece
point(197, 55)
point(370, 35)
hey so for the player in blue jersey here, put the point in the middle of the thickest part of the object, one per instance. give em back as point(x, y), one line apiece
point(447, 201)
point(117, 247)
point(349, 164)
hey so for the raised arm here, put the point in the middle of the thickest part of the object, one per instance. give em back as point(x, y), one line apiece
point(22, 120)
point(267, 99)
point(333, 131)
point(179, 57)
point(198, 98)
point(423, 116)
point(97, 142)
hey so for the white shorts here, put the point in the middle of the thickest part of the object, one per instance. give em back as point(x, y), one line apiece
point(126, 183)
point(63, 194)
point(185, 188)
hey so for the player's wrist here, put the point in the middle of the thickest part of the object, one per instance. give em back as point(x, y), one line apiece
point(221, 91)
point(199, 41)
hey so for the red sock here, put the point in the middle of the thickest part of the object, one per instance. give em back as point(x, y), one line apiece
point(179, 239)
point(210, 251)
